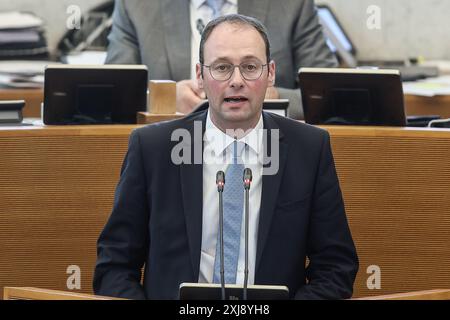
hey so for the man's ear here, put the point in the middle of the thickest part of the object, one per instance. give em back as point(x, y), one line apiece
point(271, 68)
point(199, 76)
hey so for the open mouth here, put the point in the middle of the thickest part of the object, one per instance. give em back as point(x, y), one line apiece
point(235, 99)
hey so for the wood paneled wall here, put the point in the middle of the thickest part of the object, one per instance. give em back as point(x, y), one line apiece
point(56, 193)
point(57, 186)
point(396, 186)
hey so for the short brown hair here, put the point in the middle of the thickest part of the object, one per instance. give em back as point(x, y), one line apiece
point(234, 19)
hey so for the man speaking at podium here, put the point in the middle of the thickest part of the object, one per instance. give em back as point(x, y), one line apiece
point(165, 214)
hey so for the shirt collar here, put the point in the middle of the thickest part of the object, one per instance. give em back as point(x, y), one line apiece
point(198, 3)
point(219, 141)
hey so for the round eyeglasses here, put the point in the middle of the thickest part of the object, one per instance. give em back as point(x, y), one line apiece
point(222, 71)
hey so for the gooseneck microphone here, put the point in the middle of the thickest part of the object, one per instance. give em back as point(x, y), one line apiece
point(247, 182)
point(220, 182)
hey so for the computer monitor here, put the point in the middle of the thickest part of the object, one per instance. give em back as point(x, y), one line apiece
point(339, 43)
point(328, 18)
point(337, 39)
point(11, 111)
point(352, 96)
point(100, 94)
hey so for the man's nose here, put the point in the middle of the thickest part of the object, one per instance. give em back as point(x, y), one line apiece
point(236, 78)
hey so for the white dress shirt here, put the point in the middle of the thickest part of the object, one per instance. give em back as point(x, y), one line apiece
point(200, 11)
point(217, 145)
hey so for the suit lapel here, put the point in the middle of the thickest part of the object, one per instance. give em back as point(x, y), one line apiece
point(177, 27)
point(255, 8)
point(191, 178)
point(270, 188)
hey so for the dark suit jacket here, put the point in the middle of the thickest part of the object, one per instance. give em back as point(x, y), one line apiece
point(157, 33)
point(157, 218)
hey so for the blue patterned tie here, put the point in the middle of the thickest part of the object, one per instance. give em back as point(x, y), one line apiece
point(233, 205)
point(216, 6)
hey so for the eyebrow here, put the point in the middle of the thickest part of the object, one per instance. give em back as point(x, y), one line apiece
point(248, 57)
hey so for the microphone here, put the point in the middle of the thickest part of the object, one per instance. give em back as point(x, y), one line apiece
point(200, 26)
point(220, 182)
point(247, 181)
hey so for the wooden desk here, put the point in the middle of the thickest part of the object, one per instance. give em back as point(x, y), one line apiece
point(57, 186)
point(56, 192)
point(437, 294)
point(438, 105)
point(396, 187)
point(33, 99)
point(24, 293)
point(414, 105)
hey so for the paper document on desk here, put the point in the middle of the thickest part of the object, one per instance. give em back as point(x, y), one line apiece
point(429, 87)
point(86, 58)
point(23, 74)
point(24, 67)
point(10, 37)
point(19, 20)
point(9, 81)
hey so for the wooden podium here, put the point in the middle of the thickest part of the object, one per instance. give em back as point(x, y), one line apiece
point(28, 293)
point(437, 294)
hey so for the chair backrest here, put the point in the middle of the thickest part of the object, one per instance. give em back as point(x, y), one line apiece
point(29, 293)
point(437, 294)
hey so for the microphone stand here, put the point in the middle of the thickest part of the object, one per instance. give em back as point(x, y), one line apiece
point(220, 181)
point(247, 182)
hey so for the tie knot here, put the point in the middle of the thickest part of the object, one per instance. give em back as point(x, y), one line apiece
point(216, 6)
